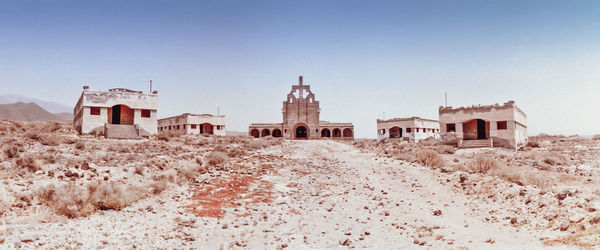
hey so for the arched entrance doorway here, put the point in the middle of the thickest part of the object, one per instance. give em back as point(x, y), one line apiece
point(347, 132)
point(476, 129)
point(395, 132)
point(206, 128)
point(325, 132)
point(337, 132)
point(254, 133)
point(265, 132)
point(276, 133)
point(120, 114)
point(301, 132)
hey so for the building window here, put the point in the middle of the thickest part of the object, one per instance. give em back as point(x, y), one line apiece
point(450, 127)
point(193, 126)
point(408, 130)
point(146, 113)
point(94, 110)
point(177, 126)
point(183, 126)
point(502, 125)
point(417, 130)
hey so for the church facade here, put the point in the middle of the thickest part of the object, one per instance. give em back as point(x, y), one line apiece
point(301, 119)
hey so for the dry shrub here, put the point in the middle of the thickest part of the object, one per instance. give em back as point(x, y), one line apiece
point(159, 186)
point(33, 136)
point(166, 136)
point(30, 163)
point(483, 164)
point(215, 158)
point(13, 151)
point(256, 144)
point(533, 143)
point(234, 152)
point(429, 157)
point(80, 145)
point(51, 140)
point(139, 169)
point(74, 201)
point(445, 149)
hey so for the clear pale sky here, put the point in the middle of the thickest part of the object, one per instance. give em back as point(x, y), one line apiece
point(361, 58)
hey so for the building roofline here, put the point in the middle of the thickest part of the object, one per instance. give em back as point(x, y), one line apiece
point(481, 108)
point(406, 119)
point(189, 114)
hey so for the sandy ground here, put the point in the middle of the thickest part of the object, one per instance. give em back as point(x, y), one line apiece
point(304, 194)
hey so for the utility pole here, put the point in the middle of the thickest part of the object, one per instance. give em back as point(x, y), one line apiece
point(150, 86)
point(446, 95)
point(218, 111)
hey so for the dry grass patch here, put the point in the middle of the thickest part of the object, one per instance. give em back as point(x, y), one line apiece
point(483, 164)
point(75, 201)
point(429, 158)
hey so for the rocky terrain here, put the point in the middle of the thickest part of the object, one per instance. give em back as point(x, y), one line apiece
point(60, 190)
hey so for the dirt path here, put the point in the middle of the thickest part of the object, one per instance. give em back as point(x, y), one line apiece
point(313, 194)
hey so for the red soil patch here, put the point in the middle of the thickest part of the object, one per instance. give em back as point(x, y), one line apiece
point(233, 191)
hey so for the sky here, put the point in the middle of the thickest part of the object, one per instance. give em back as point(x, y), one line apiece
point(361, 58)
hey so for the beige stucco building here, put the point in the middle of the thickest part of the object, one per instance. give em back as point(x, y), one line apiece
point(187, 123)
point(116, 113)
point(301, 119)
point(411, 129)
point(480, 126)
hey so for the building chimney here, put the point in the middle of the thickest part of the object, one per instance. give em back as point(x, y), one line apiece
point(85, 87)
point(300, 80)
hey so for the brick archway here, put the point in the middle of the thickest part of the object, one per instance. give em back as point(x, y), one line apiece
point(301, 131)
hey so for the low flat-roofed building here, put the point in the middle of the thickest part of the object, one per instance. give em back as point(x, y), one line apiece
point(484, 126)
point(116, 113)
point(411, 129)
point(205, 124)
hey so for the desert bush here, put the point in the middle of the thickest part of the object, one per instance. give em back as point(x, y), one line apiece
point(483, 164)
point(166, 136)
point(159, 186)
point(429, 158)
point(215, 158)
point(33, 136)
point(533, 143)
point(234, 152)
point(80, 145)
point(445, 149)
point(74, 201)
point(13, 151)
point(51, 140)
point(256, 144)
point(30, 163)
point(139, 169)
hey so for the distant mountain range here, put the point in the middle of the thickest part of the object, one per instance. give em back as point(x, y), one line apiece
point(51, 107)
point(21, 108)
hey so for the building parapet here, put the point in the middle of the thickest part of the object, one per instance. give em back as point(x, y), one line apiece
point(480, 108)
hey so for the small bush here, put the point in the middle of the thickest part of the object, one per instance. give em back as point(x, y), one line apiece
point(484, 165)
point(13, 151)
point(30, 163)
point(445, 149)
point(429, 158)
point(33, 136)
point(159, 186)
point(51, 140)
point(532, 143)
point(80, 145)
point(215, 158)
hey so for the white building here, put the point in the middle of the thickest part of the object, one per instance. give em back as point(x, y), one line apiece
point(484, 126)
point(411, 129)
point(193, 124)
point(116, 113)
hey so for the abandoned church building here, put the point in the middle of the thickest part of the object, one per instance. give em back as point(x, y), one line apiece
point(486, 126)
point(301, 119)
point(411, 129)
point(203, 124)
point(116, 113)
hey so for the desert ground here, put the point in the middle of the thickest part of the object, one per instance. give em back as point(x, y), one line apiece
point(60, 190)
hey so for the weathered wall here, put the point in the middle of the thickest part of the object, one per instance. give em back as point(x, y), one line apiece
point(185, 122)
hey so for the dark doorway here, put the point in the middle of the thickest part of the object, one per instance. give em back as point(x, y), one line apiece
point(254, 133)
point(325, 133)
point(395, 132)
point(116, 114)
point(481, 129)
point(276, 133)
point(301, 132)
